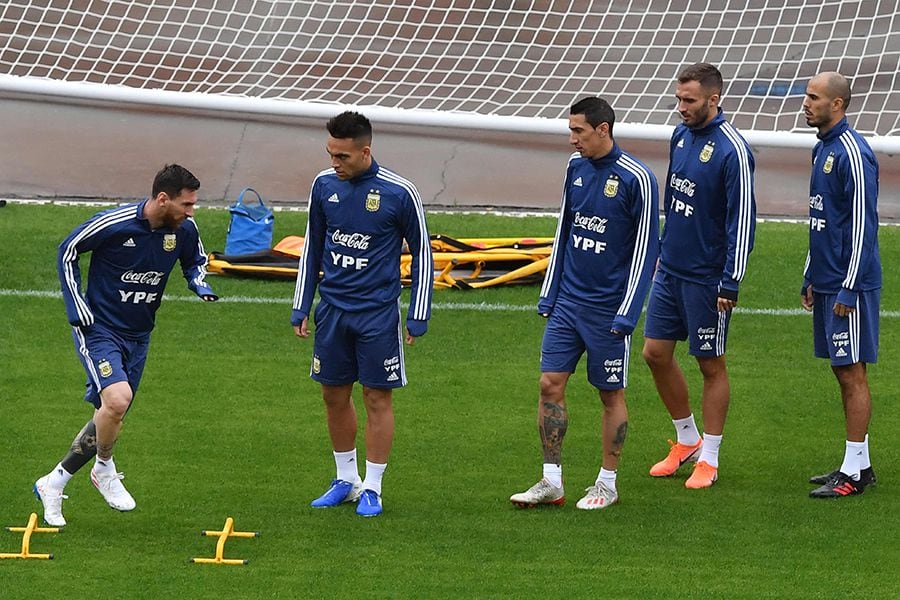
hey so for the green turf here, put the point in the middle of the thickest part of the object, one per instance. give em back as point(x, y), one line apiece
point(227, 423)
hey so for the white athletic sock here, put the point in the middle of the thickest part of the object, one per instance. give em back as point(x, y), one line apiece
point(553, 474)
point(686, 430)
point(104, 466)
point(374, 473)
point(347, 467)
point(865, 462)
point(59, 477)
point(607, 478)
point(853, 454)
point(710, 451)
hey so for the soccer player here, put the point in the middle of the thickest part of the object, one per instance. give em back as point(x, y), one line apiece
point(359, 215)
point(604, 252)
point(133, 250)
point(710, 224)
point(842, 277)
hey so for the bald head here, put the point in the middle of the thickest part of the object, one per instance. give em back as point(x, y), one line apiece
point(836, 86)
point(826, 100)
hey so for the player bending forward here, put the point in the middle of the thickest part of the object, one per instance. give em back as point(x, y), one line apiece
point(133, 250)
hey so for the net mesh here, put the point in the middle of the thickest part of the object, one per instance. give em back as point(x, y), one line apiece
point(493, 57)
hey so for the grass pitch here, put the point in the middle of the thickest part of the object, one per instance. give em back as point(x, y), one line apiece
point(227, 423)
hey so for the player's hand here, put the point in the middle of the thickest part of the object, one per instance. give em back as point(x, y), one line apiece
point(410, 338)
point(806, 300)
point(725, 304)
point(302, 330)
point(842, 310)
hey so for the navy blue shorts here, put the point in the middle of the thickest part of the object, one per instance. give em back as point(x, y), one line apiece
point(573, 330)
point(846, 340)
point(679, 309)
point(108, 358)
point(358, 346)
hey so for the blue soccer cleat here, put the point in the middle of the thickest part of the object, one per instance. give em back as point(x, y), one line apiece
point(369, 504)
point(340, 491)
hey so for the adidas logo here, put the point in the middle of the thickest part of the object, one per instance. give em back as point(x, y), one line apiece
point(577, 182)
point(129, 243)
point(334, 198)
point(840, 352)
point(612, 378)
point(680, 144)
point(393, 377)
point(706, 346)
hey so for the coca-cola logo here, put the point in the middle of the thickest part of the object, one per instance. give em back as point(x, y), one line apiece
point(147, 278)
point(683, 185)
point(358, 241)
point(590, 223)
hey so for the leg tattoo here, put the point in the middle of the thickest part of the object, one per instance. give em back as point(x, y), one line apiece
point(619, 439)
point(83, 449)
point(104, 451)
point(554, 421)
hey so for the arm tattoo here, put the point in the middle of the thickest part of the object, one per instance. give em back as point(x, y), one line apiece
point(552, 424)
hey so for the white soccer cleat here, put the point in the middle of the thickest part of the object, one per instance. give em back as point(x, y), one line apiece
point(543, 492)
point(598, 496)
point(51, 498)
point(112, 490)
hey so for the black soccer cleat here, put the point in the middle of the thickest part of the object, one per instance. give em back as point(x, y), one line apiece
point(866, 477)
point(838, 486)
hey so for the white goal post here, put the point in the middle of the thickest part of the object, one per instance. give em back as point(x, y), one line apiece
point(477, 64)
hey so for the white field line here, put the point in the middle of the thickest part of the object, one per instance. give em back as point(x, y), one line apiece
point(550, 212)
point(449, 306)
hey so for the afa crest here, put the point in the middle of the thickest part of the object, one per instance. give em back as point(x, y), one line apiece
point(169, 242)
point(829, 164)
point(707, 152)
point(373, 201)
point(105, 368)
point(611, 187)
point(316, 366)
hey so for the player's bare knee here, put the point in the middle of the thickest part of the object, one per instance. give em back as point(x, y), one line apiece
point(376, 399)
point(553, 385)
point(115, 405)
point(713, 367)
point(655, 357)
point(850, 376)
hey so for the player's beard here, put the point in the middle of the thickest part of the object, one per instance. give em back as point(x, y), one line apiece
point(697, 118)
point(171, 221)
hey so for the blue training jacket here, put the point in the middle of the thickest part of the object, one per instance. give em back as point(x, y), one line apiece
point(843, 255)
point(354, 237)
point(710, 206)
point(130, 265)
point(607, 238)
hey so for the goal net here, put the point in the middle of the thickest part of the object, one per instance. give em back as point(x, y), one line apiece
point(463, 62)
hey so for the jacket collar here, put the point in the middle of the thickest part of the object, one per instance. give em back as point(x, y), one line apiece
point(612, 157)
point(367, 174)
point(717, 120)
point(835, 131)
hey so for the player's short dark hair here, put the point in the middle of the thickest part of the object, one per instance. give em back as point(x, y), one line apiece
point(351, 125)
point(708, 76)
point(173, 178)
point(595, 110)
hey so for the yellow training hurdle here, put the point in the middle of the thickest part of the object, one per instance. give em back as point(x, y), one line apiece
point(227, 532)
point(26, 539)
